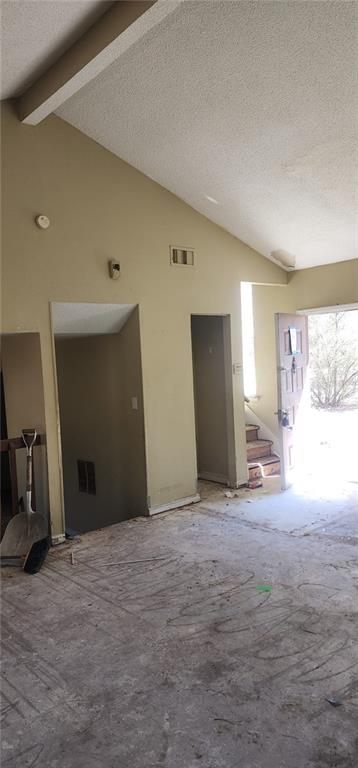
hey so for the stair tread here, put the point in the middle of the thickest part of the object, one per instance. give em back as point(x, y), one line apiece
point(261, 440)
point(258, 443)
point(251, 426)
point(257, 448)
point(272, 458)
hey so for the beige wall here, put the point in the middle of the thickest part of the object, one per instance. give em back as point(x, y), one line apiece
point(325, 286)
point(210, 397)
point(24, 404)
point(127, 356)
point(97, 378)
point(102, 208)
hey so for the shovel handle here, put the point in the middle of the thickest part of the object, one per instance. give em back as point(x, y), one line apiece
point(29, 437)
point(29, 471)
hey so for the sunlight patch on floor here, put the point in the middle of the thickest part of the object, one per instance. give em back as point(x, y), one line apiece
point(326, 452)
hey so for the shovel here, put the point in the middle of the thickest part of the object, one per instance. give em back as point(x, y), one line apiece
point(26, 540)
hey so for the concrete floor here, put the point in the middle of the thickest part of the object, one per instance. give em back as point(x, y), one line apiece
point(181, 662)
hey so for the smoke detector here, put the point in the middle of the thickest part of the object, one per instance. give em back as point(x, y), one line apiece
point(42, 221)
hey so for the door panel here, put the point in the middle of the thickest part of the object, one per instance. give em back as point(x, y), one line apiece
point(292, 361)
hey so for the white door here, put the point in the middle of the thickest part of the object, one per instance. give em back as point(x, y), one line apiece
point(292, 362)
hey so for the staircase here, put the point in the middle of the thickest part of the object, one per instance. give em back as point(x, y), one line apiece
point(261, 461)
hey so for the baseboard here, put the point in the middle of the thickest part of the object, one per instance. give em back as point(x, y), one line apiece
point(239, 483)
point(60, 538)
point(174, 504)
point(213, 478)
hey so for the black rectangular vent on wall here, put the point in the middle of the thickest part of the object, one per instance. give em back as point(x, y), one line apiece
point(181, 257)
point(91, 479)
point(86, 477)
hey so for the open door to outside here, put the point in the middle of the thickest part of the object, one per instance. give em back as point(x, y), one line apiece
point(292, 361)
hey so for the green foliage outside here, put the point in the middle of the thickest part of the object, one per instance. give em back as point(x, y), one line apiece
point(333, 341)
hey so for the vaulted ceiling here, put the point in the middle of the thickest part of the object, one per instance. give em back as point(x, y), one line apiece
point(34, 33)
point(246, 110)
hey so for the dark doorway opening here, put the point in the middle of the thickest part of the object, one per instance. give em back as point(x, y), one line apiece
point(5, 479)
point(212, 377)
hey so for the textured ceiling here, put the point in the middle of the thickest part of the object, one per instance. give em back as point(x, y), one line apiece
point(246, 110)
point(252, 104)
point(70, 319)
point(34, 33)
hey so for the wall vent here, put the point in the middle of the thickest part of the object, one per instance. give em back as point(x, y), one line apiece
point(86, 477)
point(181, 257)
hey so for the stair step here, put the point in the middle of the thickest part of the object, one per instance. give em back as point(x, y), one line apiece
point(258, 448)
point(254, 471)
point(251, 432)
point(266, 466)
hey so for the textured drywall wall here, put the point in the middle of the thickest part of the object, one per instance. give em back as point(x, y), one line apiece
point(325, 286)
point(101, 208)
point(210, 397)
point(24, 403)
point(126, 353)
point(97, 378)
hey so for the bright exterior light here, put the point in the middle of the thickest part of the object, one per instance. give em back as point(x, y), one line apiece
point(248, 340)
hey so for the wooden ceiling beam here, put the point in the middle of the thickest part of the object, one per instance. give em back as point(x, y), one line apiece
point(123, 24)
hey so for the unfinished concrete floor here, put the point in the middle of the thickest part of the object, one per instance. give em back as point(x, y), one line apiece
point(181, 662)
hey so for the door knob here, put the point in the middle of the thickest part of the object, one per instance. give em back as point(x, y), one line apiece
point(283, 418)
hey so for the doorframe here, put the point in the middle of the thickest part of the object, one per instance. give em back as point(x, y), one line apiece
point(328, 310)
point(61, 537)
point(231, 480)
point(309, 311)
point(284, 471)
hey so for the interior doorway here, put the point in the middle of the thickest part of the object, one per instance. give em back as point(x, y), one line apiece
point(22, 407)
point(100, 400)
point(5, 476)
point(213, 398)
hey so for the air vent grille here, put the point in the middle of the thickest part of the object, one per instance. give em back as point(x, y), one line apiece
point(181, 257)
